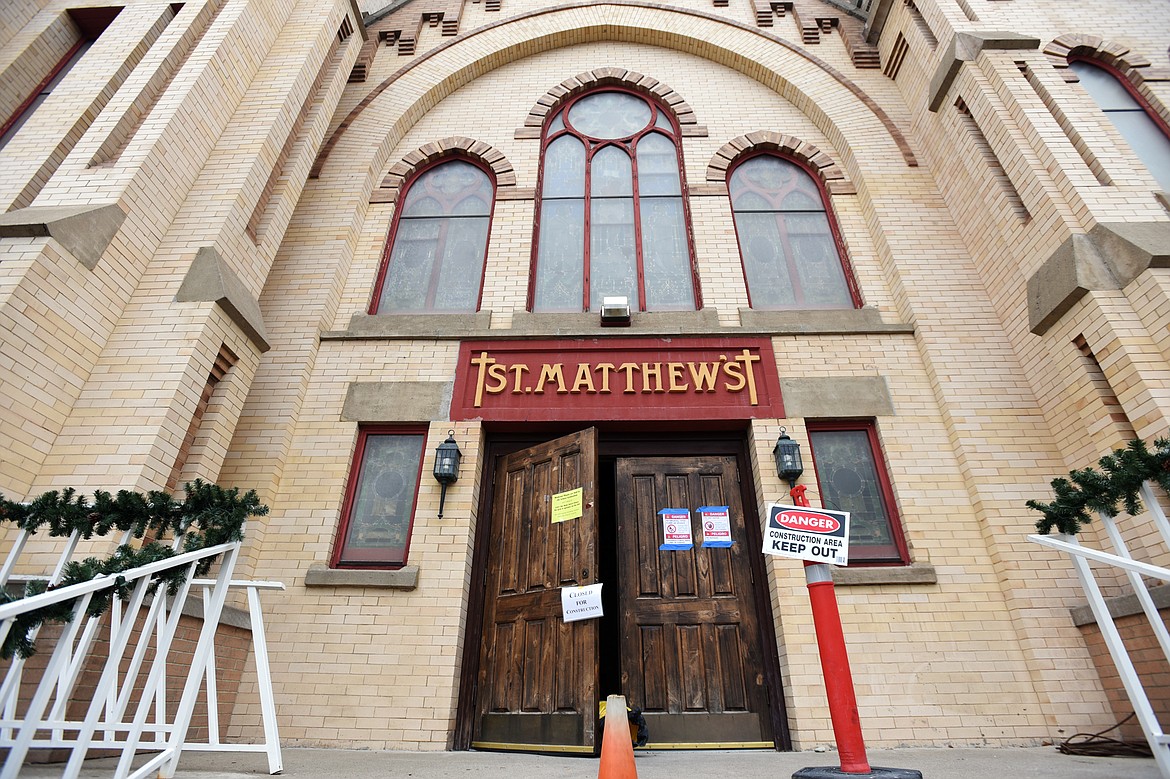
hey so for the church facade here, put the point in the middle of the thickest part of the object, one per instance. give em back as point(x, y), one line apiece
point(492, 300)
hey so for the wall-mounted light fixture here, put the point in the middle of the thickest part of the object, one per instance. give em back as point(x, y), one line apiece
point(447, 456)
point(788, 464)
point(615, 311)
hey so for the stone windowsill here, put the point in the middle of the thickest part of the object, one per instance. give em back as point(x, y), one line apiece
point(915, 573)
point(404, 578)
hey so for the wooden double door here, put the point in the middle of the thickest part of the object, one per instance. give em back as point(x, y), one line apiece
point(681, 637)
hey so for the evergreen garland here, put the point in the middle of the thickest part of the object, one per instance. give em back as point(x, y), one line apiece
point(1117, 484)
point(210, 515)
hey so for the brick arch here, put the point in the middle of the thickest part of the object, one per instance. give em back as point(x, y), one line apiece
point(823, 166)
point(439, 72)
point(455, 146)
point(603, 77)
point(1132, 66)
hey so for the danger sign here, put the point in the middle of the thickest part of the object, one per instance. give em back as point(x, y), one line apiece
point(818, 535)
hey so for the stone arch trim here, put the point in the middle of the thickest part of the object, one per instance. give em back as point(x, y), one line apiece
point(454, 146)
point(824, 166)
point(601, 77)
point(742, 61)
point(1133, 67)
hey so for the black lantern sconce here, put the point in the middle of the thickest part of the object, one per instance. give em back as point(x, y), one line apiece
point(447, 466)
point(788, 464)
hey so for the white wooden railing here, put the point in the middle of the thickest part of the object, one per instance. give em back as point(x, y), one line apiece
point(1121, 558)
point(36, 715)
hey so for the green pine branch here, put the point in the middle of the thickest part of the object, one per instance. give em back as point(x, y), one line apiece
point(1114, 487)
point(209, 515)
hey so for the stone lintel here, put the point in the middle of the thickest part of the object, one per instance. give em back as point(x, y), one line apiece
point(404, 578)
point(400, 401)
point(836, 396)
point(210, 280)
point(1109, 256)
point(83, 231)
point(965, 47)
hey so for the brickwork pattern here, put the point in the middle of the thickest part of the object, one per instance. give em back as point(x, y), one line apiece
point(196, 124)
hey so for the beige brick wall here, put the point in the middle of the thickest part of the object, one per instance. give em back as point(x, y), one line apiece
point(985, 412)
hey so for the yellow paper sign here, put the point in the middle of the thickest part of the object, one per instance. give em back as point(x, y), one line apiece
point(566, 505)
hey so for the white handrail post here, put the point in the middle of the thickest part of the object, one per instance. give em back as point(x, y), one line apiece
point(206, 637)
point(212, 696)
point(109, 677)
point(1117, 651)
point(156, 679)
point(40, 699)
point(264, 681)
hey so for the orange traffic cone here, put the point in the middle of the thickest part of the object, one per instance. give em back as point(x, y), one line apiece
point(617, 751)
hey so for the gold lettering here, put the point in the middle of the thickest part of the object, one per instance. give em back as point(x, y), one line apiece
point(747, 358)
point(629, 368)
point(675, 374)
point(555, 372)
point(584, 378)
point(481, 362)
point(500, 374)
point(704, 375)
point(518, 371)
point(656, 373)
point(605, 368)
point(732, 369)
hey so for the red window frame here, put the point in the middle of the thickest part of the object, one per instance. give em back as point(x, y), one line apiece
point(1118, 76)
point(834, 229)
point(392, 235)
point(629, 145)
point(898, 552)
point(352, 482)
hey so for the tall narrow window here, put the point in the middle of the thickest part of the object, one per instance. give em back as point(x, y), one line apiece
point(612, 217)
point(1145, 132)
point(792, 257)
point(379, 502)
point(852, 477)
point(435, 255)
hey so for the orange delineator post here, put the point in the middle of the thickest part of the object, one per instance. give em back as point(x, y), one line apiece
point(617, 750)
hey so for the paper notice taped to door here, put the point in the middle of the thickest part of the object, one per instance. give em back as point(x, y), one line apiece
point(567, 505)
point(716, 524)
point(676, 529)
point(579, 603)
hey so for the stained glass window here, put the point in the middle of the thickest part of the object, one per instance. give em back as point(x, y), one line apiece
point(852, 478)
point(613, 220)
point(1146, 136)
point(791, 257)
point(435, 256)
point(379, 505)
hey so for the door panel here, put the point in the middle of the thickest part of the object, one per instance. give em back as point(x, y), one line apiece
point(691, 653)
point(537, 674)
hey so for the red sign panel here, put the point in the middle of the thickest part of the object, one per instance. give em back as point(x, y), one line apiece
point(808, 521)
point(617, 379)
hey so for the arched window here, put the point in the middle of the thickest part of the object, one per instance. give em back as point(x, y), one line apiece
point(791, 255)
point(1143, 130)
point(612, 217)
point(434, 257)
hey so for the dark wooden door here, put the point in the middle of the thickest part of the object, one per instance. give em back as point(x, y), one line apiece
point(691, 647)
point(537, 684)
